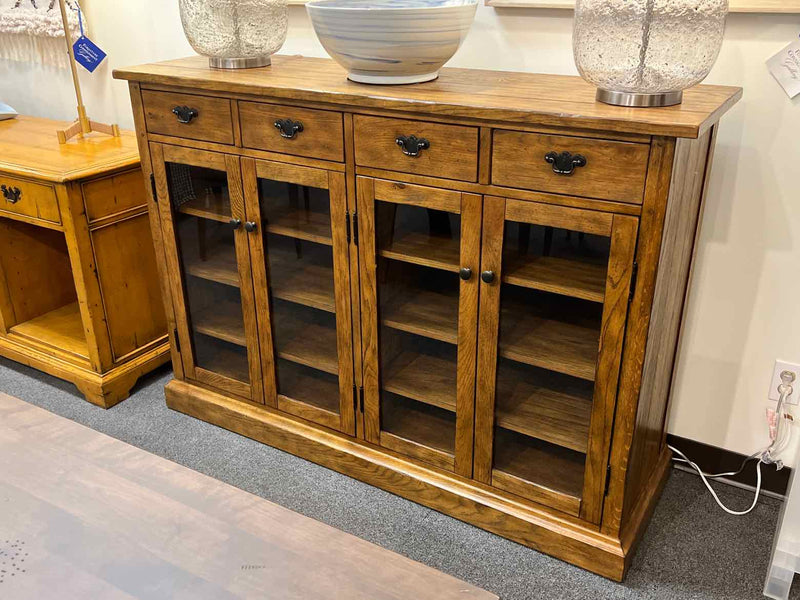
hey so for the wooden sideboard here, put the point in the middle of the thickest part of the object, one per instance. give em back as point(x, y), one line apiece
point(467, 292)
point(79, 287)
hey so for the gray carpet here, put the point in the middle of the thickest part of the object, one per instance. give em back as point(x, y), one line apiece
point(692, 550)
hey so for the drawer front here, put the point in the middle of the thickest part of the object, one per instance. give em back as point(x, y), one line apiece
point(291, 130)
point(188, 116)
point(113, 195)
point(29, 199)
point(448, 151)
point(609, 170)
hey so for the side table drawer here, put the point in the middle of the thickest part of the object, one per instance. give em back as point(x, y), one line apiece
point(28, 199)
point(291, 130)
point(417, 147)
point(188, 116)
point(593, 168)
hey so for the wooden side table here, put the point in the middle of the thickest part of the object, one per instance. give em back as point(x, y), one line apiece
point(79, 291)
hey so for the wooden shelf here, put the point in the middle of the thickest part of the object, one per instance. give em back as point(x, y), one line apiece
point(556, 275)
point(423, 377)
point(301, 281)
point(411, 421)
point(61, 328)
point(220, 266)
point(223, 321)
point(542, 342)
point(215, 208)
point(305, 343)
point(429, 314)
point(521, 462)
point(309, 386)
point(424, 249)
point(301, 224)
point(224, 360)
point(546, 406)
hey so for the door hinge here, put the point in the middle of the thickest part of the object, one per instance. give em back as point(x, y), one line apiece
point(153, 187)
point(361, 399)
point(347, 222)
point(608, 480)
point(177, 341)
point(355, 227)
point(634, 277)
point(355, 398)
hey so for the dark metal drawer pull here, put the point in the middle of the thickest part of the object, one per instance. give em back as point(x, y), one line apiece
point(235, 223)
point(250, 226)
point(11, 194)
point(185, 114)
point(288, 128)
point(412, 145)
point(465, 273)
point(487, 276)
point(565, 163)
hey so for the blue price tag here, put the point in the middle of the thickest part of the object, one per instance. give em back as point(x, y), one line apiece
point(86, 52)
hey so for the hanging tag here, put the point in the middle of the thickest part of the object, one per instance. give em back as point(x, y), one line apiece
point(785, 68)
point(87, 53)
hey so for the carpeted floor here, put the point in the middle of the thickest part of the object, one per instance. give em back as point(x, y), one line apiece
point(692, 550)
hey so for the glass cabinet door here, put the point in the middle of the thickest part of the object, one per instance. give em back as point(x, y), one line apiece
point(302, 285)
point(419, 255)
point(553, 304)
point(200, 194)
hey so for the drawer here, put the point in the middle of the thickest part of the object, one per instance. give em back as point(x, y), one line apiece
point(302, 131)
point(113, 195)
point(207, 119)
point(448, 151)
point(612, 170)
point(28, 199)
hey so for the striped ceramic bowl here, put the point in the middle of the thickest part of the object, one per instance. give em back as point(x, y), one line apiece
point(392, 41)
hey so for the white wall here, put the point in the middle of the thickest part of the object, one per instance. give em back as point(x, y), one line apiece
point(743, 310)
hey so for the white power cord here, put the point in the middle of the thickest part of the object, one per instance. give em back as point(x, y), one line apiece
point(766, 456)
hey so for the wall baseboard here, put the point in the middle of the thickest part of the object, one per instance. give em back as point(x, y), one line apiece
point(716, 460)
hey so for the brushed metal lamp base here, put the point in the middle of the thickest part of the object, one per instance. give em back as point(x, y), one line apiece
point(634, 99)
point(239, 63)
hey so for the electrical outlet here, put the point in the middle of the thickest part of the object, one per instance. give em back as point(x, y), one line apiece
point(780, 367)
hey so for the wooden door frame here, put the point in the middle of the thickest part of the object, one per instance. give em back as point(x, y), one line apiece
point(622, 231)
point(334, 183)
point(469, 207)
point(160, 155)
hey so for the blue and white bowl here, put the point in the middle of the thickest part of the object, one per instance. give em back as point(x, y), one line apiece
point(392, 41)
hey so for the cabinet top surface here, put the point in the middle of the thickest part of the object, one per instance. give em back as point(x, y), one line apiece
point(29, 147)
point(499, 96)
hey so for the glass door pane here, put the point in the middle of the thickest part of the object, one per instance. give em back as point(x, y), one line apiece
point(551, 292)
point(419, 248)
point(205, 226)
point(302, 224)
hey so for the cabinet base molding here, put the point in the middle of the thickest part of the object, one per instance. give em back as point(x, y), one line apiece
point(558, 535)
point(104, 390)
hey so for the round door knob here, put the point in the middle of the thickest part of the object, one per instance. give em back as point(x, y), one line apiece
point(250, 226)
point(235, 223)
point(465, 273)
point(487, 276)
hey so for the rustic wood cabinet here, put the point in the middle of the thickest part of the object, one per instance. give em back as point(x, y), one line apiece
point(467, 292)
point(79, 289)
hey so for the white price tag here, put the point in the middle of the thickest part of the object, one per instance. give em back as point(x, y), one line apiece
point(785, 68)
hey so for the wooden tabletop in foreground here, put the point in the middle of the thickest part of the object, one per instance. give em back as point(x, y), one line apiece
point(87, 516)
point(29, 148)
point(463, 93)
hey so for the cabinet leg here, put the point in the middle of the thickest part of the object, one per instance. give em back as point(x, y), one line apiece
point(108, 393)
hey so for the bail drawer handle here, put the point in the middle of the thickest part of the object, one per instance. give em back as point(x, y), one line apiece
point(185, 114)
point(288, 128)
point(11, 194)
point(565, 163)
point(412, 145)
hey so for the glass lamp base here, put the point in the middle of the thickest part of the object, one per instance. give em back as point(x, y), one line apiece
point(634, 99)
point(239, 63)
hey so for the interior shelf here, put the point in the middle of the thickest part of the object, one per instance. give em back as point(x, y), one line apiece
point(305, 343)
point(550, 407)
point(411, 421)
point(301, 224)
point(310, 386)
point(216, 207)
point(439, 252)
point(301, 281)
point(219, 266)
point(565, 347)
point(423, 377)
point(556, 275)
point(524, 461)
point(229, 361)
point(223, 321)
point(61, 328)
point(421, 312)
